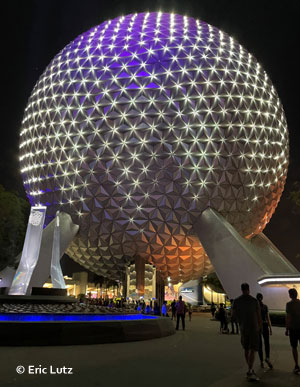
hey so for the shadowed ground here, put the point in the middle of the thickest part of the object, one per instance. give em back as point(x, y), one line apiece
point(200, 356)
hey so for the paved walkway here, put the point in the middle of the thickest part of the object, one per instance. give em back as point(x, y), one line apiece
point(198, 357)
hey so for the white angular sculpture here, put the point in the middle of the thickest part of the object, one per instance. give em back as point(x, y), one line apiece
point(56, 272)
point(236, 260)
point(30, 253)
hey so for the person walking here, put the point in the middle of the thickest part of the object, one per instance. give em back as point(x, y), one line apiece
point(213, 309)
point(173, 309)
point(265, 333)
point(293, 325)
point(156, 309)
point(233, 321)
point(247, 312)
point(223, 319)
point(164, 309)
point(148, 309)
point(190, 310)
point(180, 311)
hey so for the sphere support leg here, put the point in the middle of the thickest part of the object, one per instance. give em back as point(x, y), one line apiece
point(236, 260)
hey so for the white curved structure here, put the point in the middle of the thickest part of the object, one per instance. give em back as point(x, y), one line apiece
point(237, 260)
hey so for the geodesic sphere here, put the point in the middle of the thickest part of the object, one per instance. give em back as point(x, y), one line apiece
point(140, 124)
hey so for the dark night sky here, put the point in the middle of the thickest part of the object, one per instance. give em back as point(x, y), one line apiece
point(38, 30)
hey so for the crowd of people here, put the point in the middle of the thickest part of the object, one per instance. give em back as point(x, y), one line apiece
point(250, 317)
point(246, 315)
point(149, 308)
point(224, 315)
point(177, 310)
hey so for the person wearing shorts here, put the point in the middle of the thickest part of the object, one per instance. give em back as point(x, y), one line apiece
point(265, 334)
point(247, 312)
point(293, 325)
point(250, 341)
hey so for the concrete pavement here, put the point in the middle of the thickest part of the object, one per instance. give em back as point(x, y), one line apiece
point(198, 357)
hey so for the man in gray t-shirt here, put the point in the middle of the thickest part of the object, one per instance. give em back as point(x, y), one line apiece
point(247, 312)
point(293, 325)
